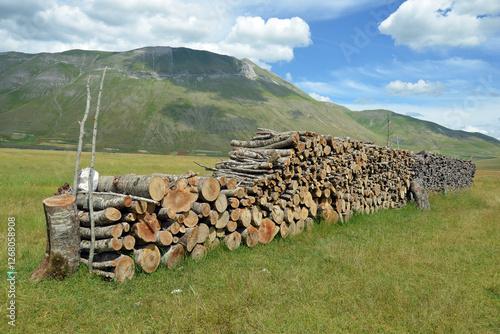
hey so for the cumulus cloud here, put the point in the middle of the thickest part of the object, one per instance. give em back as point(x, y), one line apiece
point(289, 77)
point(320, 98)
point(51, 26)
point(421, 87)
point(453, 23)
point(470, 128)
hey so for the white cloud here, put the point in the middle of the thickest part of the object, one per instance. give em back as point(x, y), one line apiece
point(470, 128)
point(320, 98)
point(289, 77)
point(114, 25)
point(421, 87)
point(452, 23)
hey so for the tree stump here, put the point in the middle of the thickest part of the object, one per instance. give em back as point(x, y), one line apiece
point(62, 254)
point(420, 195)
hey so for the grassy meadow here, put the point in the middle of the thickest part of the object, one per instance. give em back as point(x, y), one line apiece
point(396, 271)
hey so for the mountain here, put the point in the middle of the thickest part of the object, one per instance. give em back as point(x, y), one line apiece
point(415, 134)
point(162, 99)
point(158, 99)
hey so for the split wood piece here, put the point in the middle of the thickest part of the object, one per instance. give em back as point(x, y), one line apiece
point(103, 245)
point(212, 233)
point(203, 232)
point(231, 226)
point(300, 226)
point(189, 239)
point(233, 240)
point(62, 252)
point(293, 228)
point(147, 257)
point(222, 220)
point(145, 230)
point(126, 226)
point(199, 252)
point(245, 218)
point(220, 203)
point(173, 256)
point(284, 230)
point(101, 218)
point(163, 238)
point(249, 236)
point(148, 186)
point(267, 231)
point(180, 197)
point(213, 217)
point(208, 188)
point(256, 215)
point(121, 266)
point(277, 214)
point(101, 202)
point(202, 209)
point(104, 232)
point(191, 219)
point(138, 207)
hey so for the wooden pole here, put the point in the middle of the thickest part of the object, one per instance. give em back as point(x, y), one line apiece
point(388, 128)
point(91, 178)
point(80, 140)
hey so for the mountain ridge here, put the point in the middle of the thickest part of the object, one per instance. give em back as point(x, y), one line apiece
point(157, 99)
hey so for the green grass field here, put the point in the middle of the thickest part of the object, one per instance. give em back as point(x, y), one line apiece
point(396, 271)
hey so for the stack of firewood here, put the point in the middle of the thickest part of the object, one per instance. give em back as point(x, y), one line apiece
point(440, 173)
point(276, 183)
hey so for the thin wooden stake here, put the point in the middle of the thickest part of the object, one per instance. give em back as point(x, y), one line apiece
point(80, 140)
point(91, 178)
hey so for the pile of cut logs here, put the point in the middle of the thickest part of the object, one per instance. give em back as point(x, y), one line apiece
point(276, 183)
point(440, 173)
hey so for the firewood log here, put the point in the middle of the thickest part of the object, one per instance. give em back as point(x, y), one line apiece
point(189, 239)
point(101, 202)
point(101, 218)
point(147, 186)
point(104, 232)
point(121, 267)
point(174, 255)
point(199, 252)
point(233, 240)
point(147, 257)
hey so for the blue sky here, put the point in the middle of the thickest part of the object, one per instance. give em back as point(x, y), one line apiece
point(432, 59)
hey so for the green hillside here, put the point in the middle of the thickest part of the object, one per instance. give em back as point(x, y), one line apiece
point(157, 99)
point(415, 134)
point(162, 100)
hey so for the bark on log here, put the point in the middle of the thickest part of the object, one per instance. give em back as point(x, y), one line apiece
point(104, 232)
point(101, 202)
point(121, 266)
point(208, 188)
point(189, 239)
point(101, 218)
point(148, 186)
point(103, 245)
point(62, 253)
point(147, 257)
point(173, 256)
